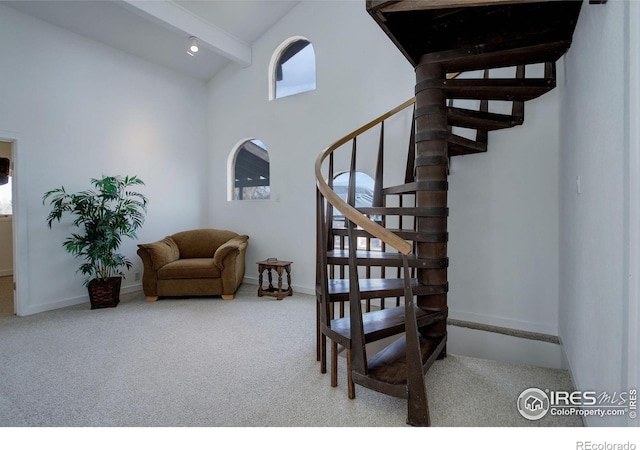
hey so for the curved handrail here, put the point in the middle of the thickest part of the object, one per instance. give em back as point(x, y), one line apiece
point(349, 211)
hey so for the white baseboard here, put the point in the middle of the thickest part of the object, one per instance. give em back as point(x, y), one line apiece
point(567, 365)
point(131, 288)
point(35, 309)
point(523, 325)
point(500, 347)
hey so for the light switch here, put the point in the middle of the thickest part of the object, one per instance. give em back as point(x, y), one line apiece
point(578, 186)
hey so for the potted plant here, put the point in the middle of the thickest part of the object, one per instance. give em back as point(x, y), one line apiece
point(103, 216)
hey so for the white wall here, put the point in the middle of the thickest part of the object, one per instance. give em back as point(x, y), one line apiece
point(360, 75)
point(593, 244)
point(80, 109)
point(503, 223)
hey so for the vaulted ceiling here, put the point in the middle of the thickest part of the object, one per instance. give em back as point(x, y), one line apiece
point(158, 31)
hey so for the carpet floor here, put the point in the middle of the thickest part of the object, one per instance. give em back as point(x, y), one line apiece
point(249, 362)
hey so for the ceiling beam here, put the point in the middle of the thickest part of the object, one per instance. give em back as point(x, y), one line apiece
point(211, 36)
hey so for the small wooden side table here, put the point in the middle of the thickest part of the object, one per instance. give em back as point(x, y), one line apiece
point(280, 267)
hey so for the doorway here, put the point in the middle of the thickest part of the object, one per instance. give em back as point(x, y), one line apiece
point(7, 301)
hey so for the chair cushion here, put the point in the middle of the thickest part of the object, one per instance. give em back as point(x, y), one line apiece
point(201, 243)
point(189, 268)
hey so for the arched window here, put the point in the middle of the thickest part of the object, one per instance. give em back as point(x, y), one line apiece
point(250, 171)
point(364, 188)
point(293, 68)
point(364, 193)
point(364, 198)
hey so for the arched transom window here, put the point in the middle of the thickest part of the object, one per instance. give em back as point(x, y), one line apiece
point(293, 68)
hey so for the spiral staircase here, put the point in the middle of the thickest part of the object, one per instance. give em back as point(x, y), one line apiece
point(382, 269)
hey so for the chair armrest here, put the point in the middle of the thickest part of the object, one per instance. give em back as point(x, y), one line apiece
point(161, 252)
point(234, 245)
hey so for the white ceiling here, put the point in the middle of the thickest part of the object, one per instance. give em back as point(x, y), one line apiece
point(158, 30)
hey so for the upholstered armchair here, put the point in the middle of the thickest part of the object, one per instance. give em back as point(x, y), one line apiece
point(203, 262)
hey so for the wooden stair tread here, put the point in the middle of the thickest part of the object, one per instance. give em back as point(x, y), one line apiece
point(411, 235)
point(479, 120)
point(463, 146)
point(390, 259)
point(404, 211)
point(387, 322)
point(511, 89)
point(380, 288)
point(457, 144)
point(389, 365)
point(490, 57)
point(414, 186)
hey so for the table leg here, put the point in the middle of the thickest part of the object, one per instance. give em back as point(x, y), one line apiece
point(279, 297)
point(288, 268)
point(260, 269)
point(270, 278)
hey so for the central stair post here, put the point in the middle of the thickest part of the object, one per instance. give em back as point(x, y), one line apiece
point(432, 166)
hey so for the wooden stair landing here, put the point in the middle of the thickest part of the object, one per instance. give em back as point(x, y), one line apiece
point(464, 35)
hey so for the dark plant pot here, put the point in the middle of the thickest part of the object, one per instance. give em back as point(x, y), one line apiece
point(105, 293)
